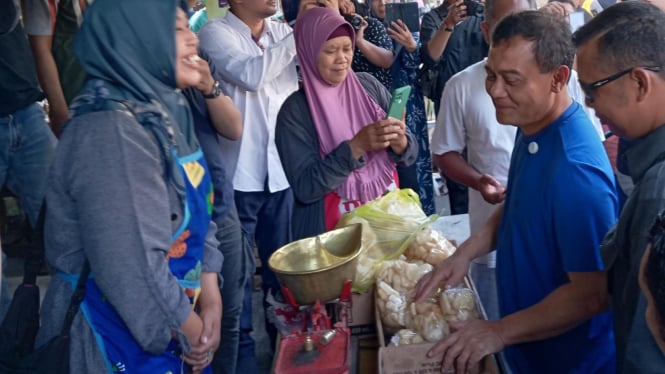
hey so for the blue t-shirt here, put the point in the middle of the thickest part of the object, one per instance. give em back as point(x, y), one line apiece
point(561, 200)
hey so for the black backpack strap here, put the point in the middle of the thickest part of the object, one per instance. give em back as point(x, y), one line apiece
point(77, 298)
point(34, 258)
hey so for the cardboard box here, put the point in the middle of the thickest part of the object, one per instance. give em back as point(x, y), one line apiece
point(360, 315)
point(412, 358)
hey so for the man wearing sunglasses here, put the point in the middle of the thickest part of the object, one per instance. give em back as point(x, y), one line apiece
point(621, 66)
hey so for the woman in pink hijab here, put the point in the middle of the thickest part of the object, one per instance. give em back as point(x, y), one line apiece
point(338, 149)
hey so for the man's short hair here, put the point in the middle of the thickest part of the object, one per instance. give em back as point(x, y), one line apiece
point(553, 45)
point(654, 270)
point(630, 34)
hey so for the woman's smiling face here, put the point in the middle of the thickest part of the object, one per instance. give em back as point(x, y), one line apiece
point(187, 72)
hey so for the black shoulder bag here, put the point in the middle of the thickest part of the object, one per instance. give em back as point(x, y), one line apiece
point(52, 357)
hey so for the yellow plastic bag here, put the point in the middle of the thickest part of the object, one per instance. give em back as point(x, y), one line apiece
point(389, 224)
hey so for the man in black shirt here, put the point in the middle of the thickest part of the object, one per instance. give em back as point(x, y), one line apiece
point(27, 144)
point(451, 41)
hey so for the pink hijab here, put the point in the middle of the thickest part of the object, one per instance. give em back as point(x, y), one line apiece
point(342, 111)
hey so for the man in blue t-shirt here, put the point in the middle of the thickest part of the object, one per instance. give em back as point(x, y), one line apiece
point(560, 202)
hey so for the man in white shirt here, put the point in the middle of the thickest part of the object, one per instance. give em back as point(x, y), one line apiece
point(467, 119)
point(256, 67)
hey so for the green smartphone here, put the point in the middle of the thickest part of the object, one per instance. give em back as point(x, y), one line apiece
point(398, 102)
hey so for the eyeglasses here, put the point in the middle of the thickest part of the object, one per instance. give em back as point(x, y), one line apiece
point(589, 88)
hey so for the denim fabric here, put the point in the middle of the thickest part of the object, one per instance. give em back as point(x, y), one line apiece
point(247, 347)
point(234, 277)
point(27, 147)
point(266, 221)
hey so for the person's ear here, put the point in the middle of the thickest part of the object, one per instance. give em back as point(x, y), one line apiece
point(644, 82)
point(485, 29)
point(560, 79)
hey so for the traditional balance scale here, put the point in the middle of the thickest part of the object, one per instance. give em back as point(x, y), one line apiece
point(316, 273)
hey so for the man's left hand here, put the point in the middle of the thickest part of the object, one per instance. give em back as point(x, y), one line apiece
point(468, 344)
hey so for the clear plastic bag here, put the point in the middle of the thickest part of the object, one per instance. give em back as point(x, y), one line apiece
point(458, 304)
point(427, 320)
point(389, 224)
point(429, 246)
point(393, 307)
point(402, 275)
point(405, 337)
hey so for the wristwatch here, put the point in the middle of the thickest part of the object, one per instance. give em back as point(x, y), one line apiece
point(216, 91)
point(449, 29)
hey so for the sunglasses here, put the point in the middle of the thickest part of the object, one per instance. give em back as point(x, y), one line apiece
point(589, 88)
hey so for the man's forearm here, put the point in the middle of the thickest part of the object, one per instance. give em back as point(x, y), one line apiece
point(560, 311)
point(242, 69)
point(455, 166)
point(438, 43)
point(49, 80)
point(225, 117)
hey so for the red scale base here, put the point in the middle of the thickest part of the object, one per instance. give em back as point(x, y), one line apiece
point(319, 347)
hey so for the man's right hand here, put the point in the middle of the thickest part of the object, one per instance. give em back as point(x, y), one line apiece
point(448, 273)
point(57, 118)
point(456, 14)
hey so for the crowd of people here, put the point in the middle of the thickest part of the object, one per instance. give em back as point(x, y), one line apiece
point(166, 157)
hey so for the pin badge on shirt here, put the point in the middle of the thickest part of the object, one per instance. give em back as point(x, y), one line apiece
point(533, 148)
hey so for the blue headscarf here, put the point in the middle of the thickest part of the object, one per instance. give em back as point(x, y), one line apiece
point(129, 45)
point(128, 49)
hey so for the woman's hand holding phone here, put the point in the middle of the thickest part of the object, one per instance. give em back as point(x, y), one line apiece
point(400, 33)
point(399, 142)
point(389, 132)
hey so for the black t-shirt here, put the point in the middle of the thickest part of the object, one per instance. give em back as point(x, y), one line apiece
point(18, 78)
point(465, 47)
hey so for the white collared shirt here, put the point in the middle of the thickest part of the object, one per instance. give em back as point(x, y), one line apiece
point(467, 118)
point(258, 79)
